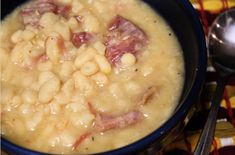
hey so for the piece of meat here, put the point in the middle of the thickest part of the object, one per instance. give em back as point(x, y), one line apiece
point(79, 18)
point(106, 122)
point(32, 13)
point(40, 6)
point(63, 10)
point(123, 37)
point(81, 38)
point(80, 140)
point(148, 94)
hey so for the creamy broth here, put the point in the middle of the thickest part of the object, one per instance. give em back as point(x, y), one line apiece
point(86, 76)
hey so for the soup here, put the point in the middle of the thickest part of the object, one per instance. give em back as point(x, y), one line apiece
point(86, 76)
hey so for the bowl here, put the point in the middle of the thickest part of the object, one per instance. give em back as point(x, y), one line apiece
point(185, 22)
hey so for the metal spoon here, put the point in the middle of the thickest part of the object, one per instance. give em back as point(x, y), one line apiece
point(221, 44)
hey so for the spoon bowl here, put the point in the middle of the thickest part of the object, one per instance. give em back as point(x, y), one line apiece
point(221, 40)
point(221, 45)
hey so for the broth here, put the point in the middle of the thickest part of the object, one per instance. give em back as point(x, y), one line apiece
point(86, 76)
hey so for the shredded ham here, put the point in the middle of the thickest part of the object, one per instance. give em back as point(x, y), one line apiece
point(123, 37)
point(32, 13)
point(104, 122)
point(148, 94)
point(79, 18)
point(80, 140)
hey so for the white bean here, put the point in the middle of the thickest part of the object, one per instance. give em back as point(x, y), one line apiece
point(77, 106)
point(68, 86)
point(62, 98)
point(83, 118)
point(26, 108)
point(29, 96)
point(128, 60)
point(33, 121)
point(48, 90)
point(45, 76)
point(89, 68)
point(45, 66)
point(37, 51)
point(71, 51)
point(84, 84)
point(63, 29)
point(66, 70)
point(77, 6)
point(27, 35)
point(103, 64)
point(54, 108)
point(53, 49)
point(32, 28)
point(100, 79)
point(16, 36)
point(100, 7)
point(85, 56)
point(78, 97)
point(48, 20)
point(100, 47)
point(91, 23)
point(73, 24)
point(20, 52)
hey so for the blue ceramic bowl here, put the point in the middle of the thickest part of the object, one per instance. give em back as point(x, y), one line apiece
point(183, 19)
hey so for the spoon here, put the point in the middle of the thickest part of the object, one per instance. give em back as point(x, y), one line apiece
point(221, 45)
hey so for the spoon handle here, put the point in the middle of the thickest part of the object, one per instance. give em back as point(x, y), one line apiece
point(204, 144)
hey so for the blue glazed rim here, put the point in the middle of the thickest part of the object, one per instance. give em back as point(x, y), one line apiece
point(175, 118)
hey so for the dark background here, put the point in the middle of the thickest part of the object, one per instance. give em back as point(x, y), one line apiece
point(8, 5)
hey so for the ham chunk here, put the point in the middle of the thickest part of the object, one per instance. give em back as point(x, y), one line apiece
point(63, 10)
point(106, 122)
point(32, 13)
point(123, 37)
point(81, 38)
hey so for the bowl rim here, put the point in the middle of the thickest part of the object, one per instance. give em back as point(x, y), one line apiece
point(181, 112)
